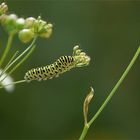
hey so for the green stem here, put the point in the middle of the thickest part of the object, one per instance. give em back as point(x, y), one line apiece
point(116, 86)
point(9, 62)
point(111, 93)
point(14, 61)
point(17, 82)
point(24, 59)
point(84, 132)
point(18, 64)
point(12, 58)
point(9, 42)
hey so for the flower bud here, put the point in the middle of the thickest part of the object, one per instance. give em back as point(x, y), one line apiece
point(75, 48)
point(3, 18)
point(3, 8)
point(83, 54)
point(29, 22)
point(20, 22)
point(47, 31)
point(42, 22)
point(10, 22)
point(77, 52)
point(11, 19)
point(39, 25)
point(26, 35)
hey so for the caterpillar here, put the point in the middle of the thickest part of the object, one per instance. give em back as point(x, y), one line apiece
point(61, 65)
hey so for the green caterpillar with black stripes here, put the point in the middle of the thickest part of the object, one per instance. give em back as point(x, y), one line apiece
point(61, 65)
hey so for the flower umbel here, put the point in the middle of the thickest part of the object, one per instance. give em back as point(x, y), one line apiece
point(81, 59)
point(27, 29)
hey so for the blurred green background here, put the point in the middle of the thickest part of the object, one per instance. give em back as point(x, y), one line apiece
point(109, 31)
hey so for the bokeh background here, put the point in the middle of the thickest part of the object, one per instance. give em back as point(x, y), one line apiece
point(109, 31)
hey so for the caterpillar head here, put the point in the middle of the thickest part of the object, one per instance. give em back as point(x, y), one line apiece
point(81, 59)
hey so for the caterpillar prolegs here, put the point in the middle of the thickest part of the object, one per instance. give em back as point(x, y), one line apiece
point(61, 65)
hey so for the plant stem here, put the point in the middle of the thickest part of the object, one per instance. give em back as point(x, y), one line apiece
point(19, 63)
point(24, 59)
point(9, 43)
point(116, 86)
point(12, 58)
point(24, 52)
point(84, 132)
point(9, 62)
point(82, 137)
point(17, 82)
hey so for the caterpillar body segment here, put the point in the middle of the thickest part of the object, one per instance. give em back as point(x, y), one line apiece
point(61, 65)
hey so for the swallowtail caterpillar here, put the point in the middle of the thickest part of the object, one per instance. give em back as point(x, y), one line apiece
point(61, 65)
